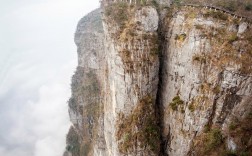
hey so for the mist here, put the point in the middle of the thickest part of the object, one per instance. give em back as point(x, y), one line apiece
point(37, 59)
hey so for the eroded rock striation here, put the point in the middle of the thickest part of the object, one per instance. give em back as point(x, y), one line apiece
point(156, 78)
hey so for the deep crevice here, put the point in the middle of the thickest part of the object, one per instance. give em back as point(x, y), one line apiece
point(159, 105)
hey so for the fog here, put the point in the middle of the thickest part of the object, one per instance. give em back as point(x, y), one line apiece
point(37, 59)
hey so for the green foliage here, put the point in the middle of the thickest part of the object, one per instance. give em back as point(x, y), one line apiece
point(72, 104)
point(229, 153)
point(154, 3)
point(240, 7)
point(230, 5)
point(214, 139)
point(191, 107)
point(141, 126)
point(233, 126)
point(176, 101)
point(177, 2)
point(199, 58)
point(217, 89)
point(244, 153)
point(216, 14)
point(206, 128)
point(73, 143)
point(180, 37)
point(248, 7)
point(233, 38)
point(117, 12)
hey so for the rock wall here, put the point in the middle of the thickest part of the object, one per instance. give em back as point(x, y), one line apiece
point(86, 136)
point(204, 84)
point(155, 80)
point(132, 77)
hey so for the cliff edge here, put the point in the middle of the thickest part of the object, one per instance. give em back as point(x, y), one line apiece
point(161, 78)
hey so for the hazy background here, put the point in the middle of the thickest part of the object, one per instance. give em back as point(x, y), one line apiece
point(37, 59)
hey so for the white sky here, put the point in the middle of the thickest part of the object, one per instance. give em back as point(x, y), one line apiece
point(37, 59)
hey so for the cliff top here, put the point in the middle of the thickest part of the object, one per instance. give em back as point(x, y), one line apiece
point(241, 8)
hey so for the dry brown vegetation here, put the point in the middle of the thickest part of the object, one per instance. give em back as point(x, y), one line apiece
point(240, 7)
point(229, 50)
point(212, 141)
point(139, 127)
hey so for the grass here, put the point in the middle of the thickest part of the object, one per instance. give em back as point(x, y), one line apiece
point(230, 5)
point(209, 141)
point(216, 89)
point(228, 50)
point(233, 37)
point(216, 14)
point(248, 7)
point(229, 153)
point(180, 37)
point(199, 58)
point(176, 102)
point(139, 127)
point(198, 26)
point(118, 12)
point(241, 131)
point(191, 107)
point(240, 7)
point(233, 126)
point(214, 139)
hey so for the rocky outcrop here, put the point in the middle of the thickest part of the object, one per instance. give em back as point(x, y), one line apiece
point(155, 80)
point(86, 137)
point(203, 67)
point(132, 65)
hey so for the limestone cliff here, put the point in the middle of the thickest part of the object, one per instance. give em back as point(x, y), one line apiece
point(156, 78)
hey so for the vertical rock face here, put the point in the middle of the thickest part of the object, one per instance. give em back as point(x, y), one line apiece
point(86, 104)
point(132, 78)
point(161, 81)
point(204, 84)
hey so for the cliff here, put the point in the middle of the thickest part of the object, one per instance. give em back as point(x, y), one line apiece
point(156, 78)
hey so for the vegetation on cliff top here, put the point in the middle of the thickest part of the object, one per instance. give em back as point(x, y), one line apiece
point(239, 7)
point(229, 49)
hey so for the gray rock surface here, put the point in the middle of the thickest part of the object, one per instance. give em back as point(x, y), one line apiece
point(192, 67)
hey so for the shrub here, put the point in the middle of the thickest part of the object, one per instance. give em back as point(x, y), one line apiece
point(177, 2)
point(199, 58)
point(191, 107)
point(154, 3)
point(218, 15)
point(180, 37)
point(216, 89)
point(248, 7)
point(198, 26)
point(142, 118)
point(230, 5)
point(214, 139)
point(117, 12)
point(244, 153)
point(176, 101)
point(233, 126)
point(229, 153)
point(206, 128)
point(233, 38)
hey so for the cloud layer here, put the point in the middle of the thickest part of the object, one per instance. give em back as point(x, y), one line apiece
point(37, 60)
